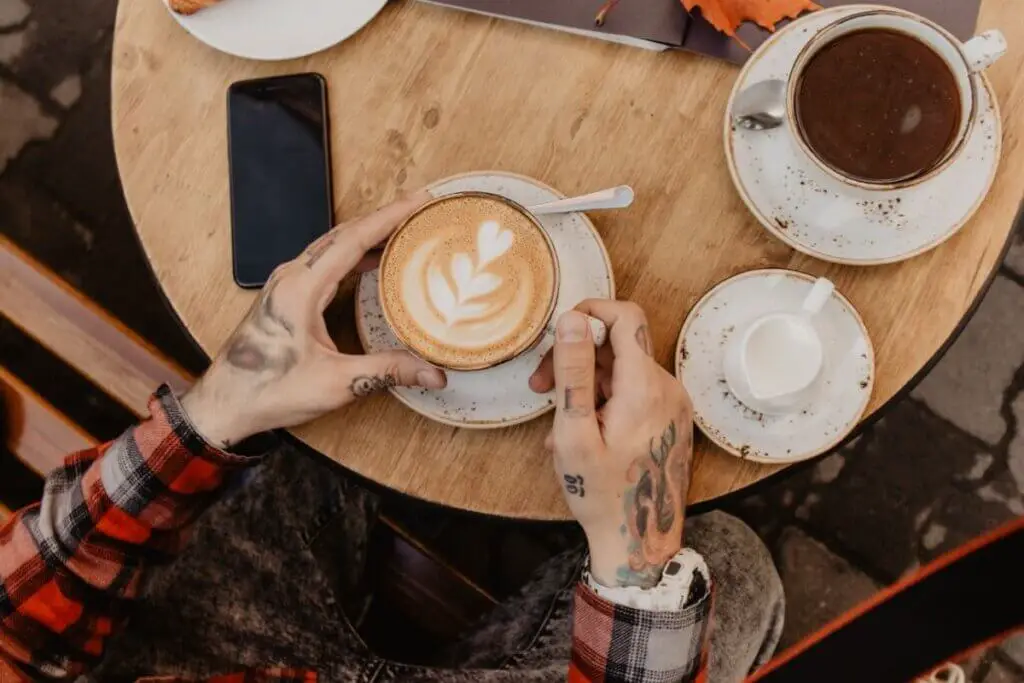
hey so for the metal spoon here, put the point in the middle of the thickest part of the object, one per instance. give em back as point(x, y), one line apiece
point(761, 106)
point(612, 198)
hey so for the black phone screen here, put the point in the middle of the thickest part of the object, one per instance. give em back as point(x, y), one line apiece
point(280, 171)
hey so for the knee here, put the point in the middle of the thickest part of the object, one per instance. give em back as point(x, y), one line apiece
point(739, 561)
point(749, 602)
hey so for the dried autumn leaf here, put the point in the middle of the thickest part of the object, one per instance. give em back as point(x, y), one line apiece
point(727, 15)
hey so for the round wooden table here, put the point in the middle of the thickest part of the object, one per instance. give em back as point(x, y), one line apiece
point(425, 92)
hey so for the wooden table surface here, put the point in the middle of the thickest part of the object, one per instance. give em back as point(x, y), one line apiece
point(424, 93)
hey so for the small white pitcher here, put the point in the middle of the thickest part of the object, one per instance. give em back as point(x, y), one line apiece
point(774, 366)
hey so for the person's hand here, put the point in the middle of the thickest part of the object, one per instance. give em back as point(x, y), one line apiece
point(622, 442)
point(280, 368)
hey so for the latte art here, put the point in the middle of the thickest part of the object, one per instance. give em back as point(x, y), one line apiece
point(468, 281)
point(468, 300)
point(466, 290)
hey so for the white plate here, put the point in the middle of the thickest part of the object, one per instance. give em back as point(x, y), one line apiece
point(817, 214)
point(847, 379)
point(499, 396)
point(278, 29)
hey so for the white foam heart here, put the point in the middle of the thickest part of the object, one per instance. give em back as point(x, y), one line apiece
point(491, 242)
point(470, 280)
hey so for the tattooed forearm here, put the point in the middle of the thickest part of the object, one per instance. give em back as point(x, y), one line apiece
point(364, 385)
point(654, 507)
point(643, 339)
point(574, 484)
point(264, 343)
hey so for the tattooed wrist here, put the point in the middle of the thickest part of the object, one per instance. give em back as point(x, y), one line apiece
point(609, 565)
point(211, 415)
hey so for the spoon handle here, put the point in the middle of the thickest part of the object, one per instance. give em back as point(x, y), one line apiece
point(612, 198)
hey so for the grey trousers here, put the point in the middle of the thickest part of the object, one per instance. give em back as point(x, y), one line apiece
point(271, 572)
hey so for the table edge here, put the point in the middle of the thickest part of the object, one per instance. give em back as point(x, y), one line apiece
point(692, 508)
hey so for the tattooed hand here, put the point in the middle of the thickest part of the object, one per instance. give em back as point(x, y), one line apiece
point(622, 441)
point(280, 367)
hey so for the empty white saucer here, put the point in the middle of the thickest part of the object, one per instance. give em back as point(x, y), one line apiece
point(816, 214)
point(846, 383)
point(499, 396)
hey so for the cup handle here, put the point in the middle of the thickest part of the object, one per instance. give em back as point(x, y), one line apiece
point(984, 49)
point(820, 293)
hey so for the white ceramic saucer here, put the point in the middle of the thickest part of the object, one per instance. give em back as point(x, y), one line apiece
point(499, 396)
point(817, 214)
point(847, 378)
point(278, 29)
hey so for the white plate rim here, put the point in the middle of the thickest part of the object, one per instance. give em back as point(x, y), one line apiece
point(482, 426)
point(867, 393)
point(184, 21)
point(802, 248)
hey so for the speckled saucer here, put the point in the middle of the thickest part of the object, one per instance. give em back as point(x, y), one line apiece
point(843, 395)
point(819, 215)
point(499, 396)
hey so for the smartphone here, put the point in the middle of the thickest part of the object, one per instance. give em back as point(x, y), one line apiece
point(280, 171)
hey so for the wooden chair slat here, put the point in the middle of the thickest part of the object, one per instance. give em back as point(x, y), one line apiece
point(37, 433)
point(77, 330)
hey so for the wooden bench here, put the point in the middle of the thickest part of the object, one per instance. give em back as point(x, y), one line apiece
point(426, 588)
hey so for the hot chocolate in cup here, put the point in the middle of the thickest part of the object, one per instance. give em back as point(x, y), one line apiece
point(884, 99)
point(469, 281)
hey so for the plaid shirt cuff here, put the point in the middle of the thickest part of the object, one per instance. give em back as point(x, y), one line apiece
point(243, 453)
point(613, 642)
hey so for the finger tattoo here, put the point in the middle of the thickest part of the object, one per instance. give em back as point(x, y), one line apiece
point(319, 248)
point(643, 339)
point(578, 403)
point(365, 385)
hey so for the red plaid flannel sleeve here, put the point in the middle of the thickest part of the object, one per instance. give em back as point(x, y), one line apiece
point(614, 643)
point(70, 564)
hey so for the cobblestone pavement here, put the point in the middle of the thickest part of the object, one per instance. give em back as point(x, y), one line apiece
point(944, 465)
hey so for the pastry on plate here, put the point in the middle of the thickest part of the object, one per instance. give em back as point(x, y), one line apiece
point(190, 6)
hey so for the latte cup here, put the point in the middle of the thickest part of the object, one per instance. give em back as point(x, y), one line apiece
point(964, 60)
point(470, 280)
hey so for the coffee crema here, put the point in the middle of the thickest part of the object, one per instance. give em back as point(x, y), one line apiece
point(468, 281)
point(878, 105)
